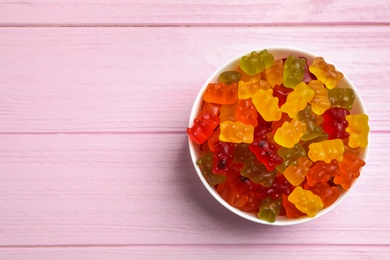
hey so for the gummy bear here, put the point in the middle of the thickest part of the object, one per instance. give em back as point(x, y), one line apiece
point(278, 188)
point(291, 210)
point(320, 102)
point(335, 123)
point(322, 172)
point(297, 100)
point(294, 70)
point(221, 93)
point(222, 157)
point(211, 108)
point(289, 134)
point(281, 92)
point(349, 168)
point(326, 150)
point(229, 77)
point(358, 129)
point(341, 97)
point(266, 153)
point(325, 72)
point(274, 74)
point(213, 139)
point(257, 172)
point(263, 127)
point(289, 156)
point(248, 88)
point(246, 112)
point(227, 112)
point(203, 127)
point(328, 194)
point(246, 78)
point(256, 62)
point(306, 201)
point(205, 164)
point(253, 203)
point(270, 209)
point(242, 152)
point(267, 105)
point(312, 128)
point(296, 172)
point(236, 132)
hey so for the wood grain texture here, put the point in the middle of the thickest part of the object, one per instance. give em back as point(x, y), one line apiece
point(193, 13)
point(142, 189)
point(128, 79)
point(200, 252)
point(95, 96)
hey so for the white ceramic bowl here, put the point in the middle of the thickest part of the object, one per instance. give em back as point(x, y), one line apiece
point(278, 52)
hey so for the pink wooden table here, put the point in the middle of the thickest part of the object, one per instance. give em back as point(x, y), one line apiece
point(95, 96)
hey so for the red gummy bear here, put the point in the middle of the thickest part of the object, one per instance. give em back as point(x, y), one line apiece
point(266, 153)
point(335, 123)
point(203, 127)
point(262, 128)
point(281, 92)
point(278, 188)
point(327, 193)
point(222, 157)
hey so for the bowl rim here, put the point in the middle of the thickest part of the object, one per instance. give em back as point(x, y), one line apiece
point(277, 51)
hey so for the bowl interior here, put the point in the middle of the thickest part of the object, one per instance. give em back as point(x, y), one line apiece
point(278, 52)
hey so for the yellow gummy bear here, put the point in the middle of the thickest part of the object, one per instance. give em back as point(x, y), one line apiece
point(249, 88)
point(236, 132)
point(289, 134)
point(274, 74)
point(320, 102)
point(326, 150)
point(298, 99)
point(358, 130)
point(325, 72)
point(306, 201)
point(267, 105)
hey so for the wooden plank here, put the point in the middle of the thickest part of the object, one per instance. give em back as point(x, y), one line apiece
point(192, 13)
point(142, 190)
point(200, 252)
point(70, 80)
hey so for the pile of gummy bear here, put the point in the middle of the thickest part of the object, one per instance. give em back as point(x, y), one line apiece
point(277, 137)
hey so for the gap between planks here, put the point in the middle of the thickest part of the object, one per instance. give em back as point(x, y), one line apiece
point(164, 25)
point(246, 245)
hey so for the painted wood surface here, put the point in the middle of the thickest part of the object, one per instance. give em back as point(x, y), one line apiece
point(201, 12)
point(94, 102)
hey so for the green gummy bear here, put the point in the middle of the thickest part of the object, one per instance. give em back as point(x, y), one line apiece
point(256, 62)
point(205, 164)
point(270, 209)
point(312, 128)
point(242, 152)
point(229, 77)
point(294, 71)
point(290, 155)
point(341, 97)
point(257, 172)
